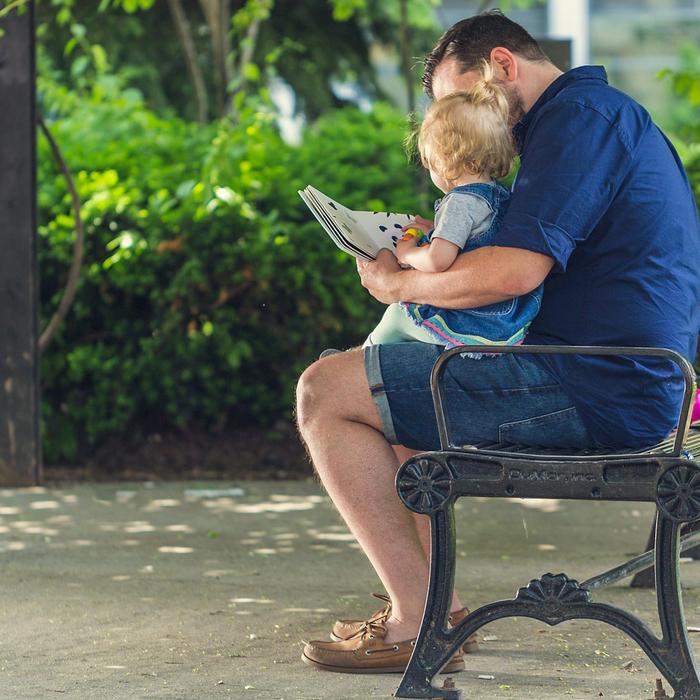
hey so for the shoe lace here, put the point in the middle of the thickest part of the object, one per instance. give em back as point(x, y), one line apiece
point(383, 614)
point(374, 627)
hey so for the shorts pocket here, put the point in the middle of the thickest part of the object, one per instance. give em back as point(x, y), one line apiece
point(562, 428)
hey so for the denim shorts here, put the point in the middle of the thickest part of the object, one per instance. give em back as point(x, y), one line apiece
point(503, 398)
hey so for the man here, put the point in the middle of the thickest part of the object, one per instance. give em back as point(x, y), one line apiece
point(602, 212)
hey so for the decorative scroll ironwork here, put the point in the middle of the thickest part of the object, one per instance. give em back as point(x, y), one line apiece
point(424, 485)
point(678, 492)
point(553, 593)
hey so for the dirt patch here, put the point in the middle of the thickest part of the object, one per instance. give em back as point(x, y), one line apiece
point(244, 452)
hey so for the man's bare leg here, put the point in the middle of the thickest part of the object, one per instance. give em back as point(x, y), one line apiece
point(340, 425)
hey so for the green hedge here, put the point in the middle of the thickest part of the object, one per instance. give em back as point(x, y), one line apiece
point(207, 286)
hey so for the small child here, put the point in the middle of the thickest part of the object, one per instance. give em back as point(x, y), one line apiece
point(465, 142)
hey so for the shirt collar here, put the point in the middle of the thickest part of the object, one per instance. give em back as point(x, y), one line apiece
point(564, 80)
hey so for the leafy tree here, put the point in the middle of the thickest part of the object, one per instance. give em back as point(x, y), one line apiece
point(686, 125)
point(225, 47)
point(207, 286)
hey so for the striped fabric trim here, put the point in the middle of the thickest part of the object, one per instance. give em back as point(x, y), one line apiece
point(437, 327)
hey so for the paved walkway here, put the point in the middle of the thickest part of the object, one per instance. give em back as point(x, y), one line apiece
point(193, 591)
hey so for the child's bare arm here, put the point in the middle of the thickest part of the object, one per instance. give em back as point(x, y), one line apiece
point(421, 223)
point(436, 257)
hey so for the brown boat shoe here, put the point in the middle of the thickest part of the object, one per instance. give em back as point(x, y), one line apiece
point(367, 652)
point(345, 629)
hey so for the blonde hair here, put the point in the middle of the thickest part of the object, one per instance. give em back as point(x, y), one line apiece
point(468, 131)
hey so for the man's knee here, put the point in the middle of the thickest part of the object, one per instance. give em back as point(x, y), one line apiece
point(334, 387)
point(310, 394)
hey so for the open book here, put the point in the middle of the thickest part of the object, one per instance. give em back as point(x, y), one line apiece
point(361, 233)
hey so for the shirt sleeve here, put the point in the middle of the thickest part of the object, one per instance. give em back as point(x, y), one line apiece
point(460, 216)
point(572, 167)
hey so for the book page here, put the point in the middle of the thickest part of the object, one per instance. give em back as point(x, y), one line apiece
point(332, 227)
point(383, 228)
point(365, 231)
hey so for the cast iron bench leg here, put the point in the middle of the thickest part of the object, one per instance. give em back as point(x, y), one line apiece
point(430, 483)
point(435, 645)
point(674, 658)
point(551, 599)
point(645, 578)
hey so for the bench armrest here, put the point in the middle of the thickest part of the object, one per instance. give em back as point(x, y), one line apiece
point(685, 366)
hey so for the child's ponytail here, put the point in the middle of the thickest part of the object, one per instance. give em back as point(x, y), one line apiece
point(488, 92)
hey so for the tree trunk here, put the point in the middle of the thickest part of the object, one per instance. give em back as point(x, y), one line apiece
point(405, 45)
point(260, 10)
point(218, 29)
point(405, 50)
point(251, 37)
point(182, 27)
point(226, 17)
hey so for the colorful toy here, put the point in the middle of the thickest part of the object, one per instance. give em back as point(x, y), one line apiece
point(411, 232)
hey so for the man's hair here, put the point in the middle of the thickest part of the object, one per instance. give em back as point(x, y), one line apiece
point(471, 40)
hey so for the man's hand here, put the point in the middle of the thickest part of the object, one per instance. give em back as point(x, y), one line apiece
point(380, 277)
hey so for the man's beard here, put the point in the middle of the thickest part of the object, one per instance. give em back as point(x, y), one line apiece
point(516, 106)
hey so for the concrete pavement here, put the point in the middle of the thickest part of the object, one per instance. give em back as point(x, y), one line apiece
point(205, 590)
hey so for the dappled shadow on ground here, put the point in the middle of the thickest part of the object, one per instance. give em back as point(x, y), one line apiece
point(198, 590)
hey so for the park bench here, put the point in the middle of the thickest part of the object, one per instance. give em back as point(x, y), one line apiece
point(430, 483)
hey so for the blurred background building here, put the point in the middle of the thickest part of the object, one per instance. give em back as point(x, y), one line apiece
point(633, 39)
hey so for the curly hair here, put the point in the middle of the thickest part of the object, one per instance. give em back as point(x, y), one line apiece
point(468, 131)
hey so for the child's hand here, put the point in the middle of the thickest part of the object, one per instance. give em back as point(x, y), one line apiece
point(402, 248)
point(419, 222)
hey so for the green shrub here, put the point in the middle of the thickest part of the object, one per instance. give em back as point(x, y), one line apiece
point(207, 286)
point(685, 124)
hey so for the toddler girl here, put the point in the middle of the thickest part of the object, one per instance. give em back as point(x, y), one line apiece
point(465, 142)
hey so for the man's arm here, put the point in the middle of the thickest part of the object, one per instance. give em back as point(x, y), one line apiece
point(483, 276)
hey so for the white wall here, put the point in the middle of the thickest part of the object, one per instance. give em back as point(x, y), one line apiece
point(569, 19)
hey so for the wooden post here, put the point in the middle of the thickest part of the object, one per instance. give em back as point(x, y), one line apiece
point(20, 448)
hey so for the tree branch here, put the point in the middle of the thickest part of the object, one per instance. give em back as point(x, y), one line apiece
point(78, 247)
point(405, 44)
point(251, 36)
point(15, 4)
point(226, 17)
point(182, 27)
point(212, 10)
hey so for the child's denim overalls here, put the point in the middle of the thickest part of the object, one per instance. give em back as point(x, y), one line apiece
point(503, 323)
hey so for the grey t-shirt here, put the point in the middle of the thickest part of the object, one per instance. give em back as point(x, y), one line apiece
point(460, 216)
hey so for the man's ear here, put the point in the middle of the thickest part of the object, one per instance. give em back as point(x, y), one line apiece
point(505, 64)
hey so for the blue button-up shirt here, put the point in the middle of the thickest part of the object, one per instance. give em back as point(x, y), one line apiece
point(602, 192)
